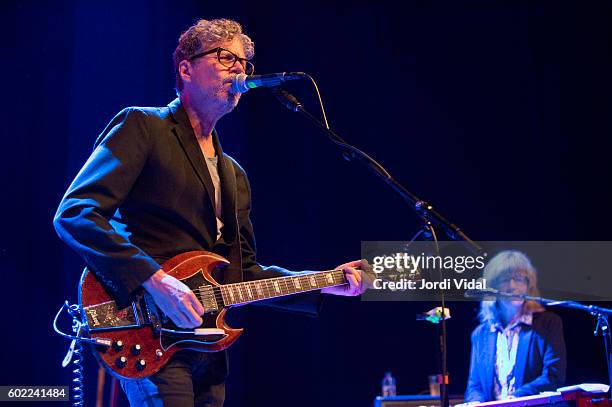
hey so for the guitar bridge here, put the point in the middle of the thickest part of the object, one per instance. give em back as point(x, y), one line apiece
point(150, 313)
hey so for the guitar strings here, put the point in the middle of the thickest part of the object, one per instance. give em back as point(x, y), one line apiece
point(267, 288)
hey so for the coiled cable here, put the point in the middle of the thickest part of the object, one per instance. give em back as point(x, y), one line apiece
point(78, 387)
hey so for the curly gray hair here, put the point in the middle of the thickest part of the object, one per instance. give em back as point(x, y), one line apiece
point(205, 34)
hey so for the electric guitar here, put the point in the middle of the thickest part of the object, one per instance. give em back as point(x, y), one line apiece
point(138, 340)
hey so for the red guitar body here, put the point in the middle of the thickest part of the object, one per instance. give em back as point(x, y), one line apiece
point(143, 340)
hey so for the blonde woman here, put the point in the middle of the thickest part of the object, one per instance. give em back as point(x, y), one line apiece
point(518, 348)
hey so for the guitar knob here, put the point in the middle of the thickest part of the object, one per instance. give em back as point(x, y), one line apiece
point(159, 353)
point(121, 362)
point(136, 349)
point(141, 364)
point(118, 345)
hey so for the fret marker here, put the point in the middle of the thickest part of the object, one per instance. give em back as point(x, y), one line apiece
point(231, 293)
point(330, 279)
point(276, 286)
point(296, 283)
point(249, 291)
point(313, 281)
point(258, 288)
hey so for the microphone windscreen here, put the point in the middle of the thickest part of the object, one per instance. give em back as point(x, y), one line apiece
point(239, 84)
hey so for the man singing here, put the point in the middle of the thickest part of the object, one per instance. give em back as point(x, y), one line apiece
point(158, 184)
point(518, 349)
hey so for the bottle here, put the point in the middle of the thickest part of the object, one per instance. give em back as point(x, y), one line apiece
point(388, 385)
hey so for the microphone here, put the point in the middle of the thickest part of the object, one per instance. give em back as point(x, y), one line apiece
point(483, 294)
point(242, 83)
point(491, 293)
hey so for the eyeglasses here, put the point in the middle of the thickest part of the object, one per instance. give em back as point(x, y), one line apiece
point(228, 59)
point(519, 279)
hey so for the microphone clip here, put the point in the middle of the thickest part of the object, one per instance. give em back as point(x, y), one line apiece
point(287, 99)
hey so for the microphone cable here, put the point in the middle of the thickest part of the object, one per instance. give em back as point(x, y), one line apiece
point(314, 83)
point(350, 151)
point(75, 350)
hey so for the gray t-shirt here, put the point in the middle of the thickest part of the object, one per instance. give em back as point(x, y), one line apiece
point(211, 163)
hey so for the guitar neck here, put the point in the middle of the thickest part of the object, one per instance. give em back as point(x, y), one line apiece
point(258, 290)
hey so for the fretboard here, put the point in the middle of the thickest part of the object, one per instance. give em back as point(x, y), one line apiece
point(256, 290)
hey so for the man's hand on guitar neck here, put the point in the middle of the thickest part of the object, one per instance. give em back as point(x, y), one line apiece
point(175, 300)
point(358, 282)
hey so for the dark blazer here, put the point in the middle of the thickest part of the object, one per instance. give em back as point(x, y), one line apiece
point(540, 359)
point(145, 195)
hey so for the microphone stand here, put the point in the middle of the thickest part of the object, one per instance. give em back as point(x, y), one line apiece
point(429, 216)
point(600, 314)
point(424, 209)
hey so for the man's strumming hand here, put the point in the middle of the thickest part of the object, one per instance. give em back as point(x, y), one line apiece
point(175, 300)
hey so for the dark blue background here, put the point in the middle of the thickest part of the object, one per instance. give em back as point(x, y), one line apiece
point(496, 112)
